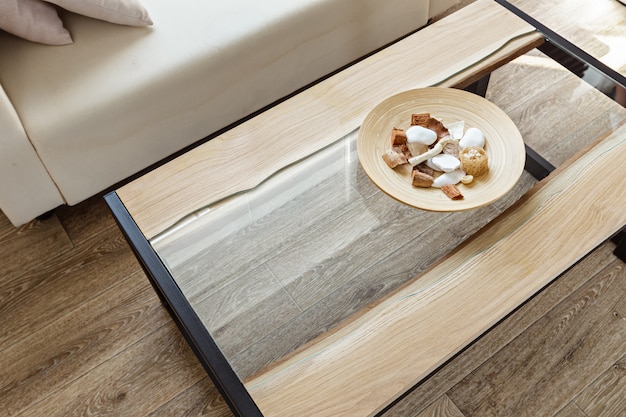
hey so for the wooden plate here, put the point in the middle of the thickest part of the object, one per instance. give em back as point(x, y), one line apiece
point(504, 146)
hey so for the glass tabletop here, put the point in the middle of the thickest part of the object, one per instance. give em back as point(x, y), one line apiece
point(268, 270)
point(595, 31)
point(598, 27)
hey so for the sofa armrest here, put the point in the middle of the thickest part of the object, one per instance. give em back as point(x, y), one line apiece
point(26, 189)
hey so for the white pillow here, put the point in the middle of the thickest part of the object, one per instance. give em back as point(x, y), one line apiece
point(123, 12)
point(33, 20)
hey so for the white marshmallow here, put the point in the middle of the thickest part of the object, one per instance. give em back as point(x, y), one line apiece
point(448, 178)
point(421, 135)
point(444, 162)
point(472, 137)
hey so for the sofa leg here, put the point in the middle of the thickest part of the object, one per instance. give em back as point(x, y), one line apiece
point(45, 216)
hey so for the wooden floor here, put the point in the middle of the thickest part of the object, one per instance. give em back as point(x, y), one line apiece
point(83, 333)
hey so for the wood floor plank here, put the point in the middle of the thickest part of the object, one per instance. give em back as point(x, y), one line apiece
point(420, 251)
point(135, 382)
point(442, 407)
point(344, 248)
point(606, 396)
point(258, 240)
point(85, 219)
point(32, 300)
point(28, 246)
point(246, 310)
point(563, 149)
point(316, 320)
point(543, 369)
point(506, 82)
point(510, 328)
point(49, 358)
point(570, 410)
point(541, 129)
point(201, 399)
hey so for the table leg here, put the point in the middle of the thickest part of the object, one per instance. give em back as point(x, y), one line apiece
point(537, 165)
point(479, 87)
point(620, 240)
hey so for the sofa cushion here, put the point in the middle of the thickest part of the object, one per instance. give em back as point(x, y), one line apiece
point(38, 20)
point(33, 20)
point(123, 12)
point(121, 98)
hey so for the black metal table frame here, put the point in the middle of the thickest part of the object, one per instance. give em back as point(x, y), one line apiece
point(197, 336)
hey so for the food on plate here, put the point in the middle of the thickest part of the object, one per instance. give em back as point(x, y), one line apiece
point(456, 129)
point(419, 139)
point(419, 119)
point(440, 157)
point(452, 191)
point(425, 120)
point(473, 137)
point(452, 148)
point(394, 157)
point(448, 178)
point(467, 179)
point(424, 168)
point(421, 179)
point(434, 151)
point(474, 161)
point(398, 137)
point(444, 163)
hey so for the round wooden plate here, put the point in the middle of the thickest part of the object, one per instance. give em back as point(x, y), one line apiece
point(504, 146)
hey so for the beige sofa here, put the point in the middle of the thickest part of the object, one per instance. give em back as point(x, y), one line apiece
point(79, 118)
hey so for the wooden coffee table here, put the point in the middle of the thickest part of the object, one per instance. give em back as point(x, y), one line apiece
point(306, 290)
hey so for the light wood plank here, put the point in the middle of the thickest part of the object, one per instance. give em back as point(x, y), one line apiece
point(373, 359)
point(326, 112)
